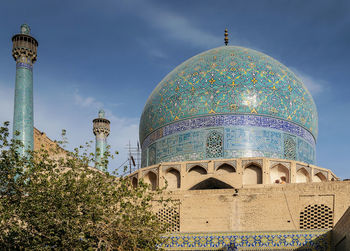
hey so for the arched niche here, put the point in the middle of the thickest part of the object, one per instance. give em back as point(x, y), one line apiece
point(252, 174)
point(211, 183)
point(173, 178)
point(134, 182)
point(302, 176)
point(225, 168)
point(279, 174)
point(151, 179)
point(319, 177)
point(197, 170)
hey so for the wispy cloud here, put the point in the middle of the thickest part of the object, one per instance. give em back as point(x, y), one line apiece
point(86, 101)
point(173, 25)
point(314, 85)
point(180, 28)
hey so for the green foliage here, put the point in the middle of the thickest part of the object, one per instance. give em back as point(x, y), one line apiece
point(52, 202)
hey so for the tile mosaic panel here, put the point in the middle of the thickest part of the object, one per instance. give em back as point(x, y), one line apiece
point(214, 144)
point(237, 142)
point(254, 138)
point(290, 147)
point(305, 152)
point(319, 240)
point(229, 80)
point(230, 120)
point(23, 120)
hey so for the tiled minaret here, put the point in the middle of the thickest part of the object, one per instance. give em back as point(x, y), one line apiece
point(101, 129)
point(24, 51)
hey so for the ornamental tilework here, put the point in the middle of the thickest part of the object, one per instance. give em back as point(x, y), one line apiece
point(236, 142)
point(214, 144)
point(230, 120)
point(305, 240)
point(305, 152)
point(229, 80)
point(23, 119)
point(289, 144)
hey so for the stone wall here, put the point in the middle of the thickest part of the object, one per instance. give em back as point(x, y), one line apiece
point(341, 232)
point(42, 142)
point(263, 207)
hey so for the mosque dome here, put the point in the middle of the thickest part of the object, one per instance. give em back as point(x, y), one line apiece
point(255, 105)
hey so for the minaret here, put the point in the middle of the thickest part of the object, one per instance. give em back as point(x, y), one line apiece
point(101, 129)
point(24, 51)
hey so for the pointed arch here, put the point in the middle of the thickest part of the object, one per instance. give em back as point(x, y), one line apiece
point(225, 168)
point(197, 170)
point(211, 183)
point(279, 174)
point(173, 178)
point(302, 176)
point(151, 179)
point(319, 177)
point(134, 182)
point(252, 174)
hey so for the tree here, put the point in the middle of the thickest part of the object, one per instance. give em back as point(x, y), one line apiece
point(62, 203)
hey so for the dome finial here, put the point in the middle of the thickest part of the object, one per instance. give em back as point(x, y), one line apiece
point(226, 37)
point(101, 114)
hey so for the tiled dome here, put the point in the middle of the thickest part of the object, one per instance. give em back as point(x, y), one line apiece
point(229, 80)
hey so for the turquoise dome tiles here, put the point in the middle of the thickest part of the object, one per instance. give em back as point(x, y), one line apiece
point(229, 80)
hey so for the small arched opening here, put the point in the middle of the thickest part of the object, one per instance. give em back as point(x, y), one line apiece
point(197, 170)
point(211, 183)
point(252, 174)
point(151, 179)
point(319, 177)
point(302, 176)
point(279, 174)
point(173, 178)
point(225, 168)
point(134, 182)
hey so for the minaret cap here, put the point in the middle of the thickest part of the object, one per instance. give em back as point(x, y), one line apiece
point(101, 124)
point(226, 37)
point(25, 29)
point(101, 114)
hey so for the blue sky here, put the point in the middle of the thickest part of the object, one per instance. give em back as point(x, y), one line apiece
point(111, 54)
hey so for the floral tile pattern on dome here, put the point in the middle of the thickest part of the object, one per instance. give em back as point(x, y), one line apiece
point(306, 240)
point(229, 80)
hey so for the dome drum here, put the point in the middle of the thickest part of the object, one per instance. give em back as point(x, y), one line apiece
point(228, 136)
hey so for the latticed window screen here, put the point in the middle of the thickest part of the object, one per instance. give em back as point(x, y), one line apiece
point(289, 147)
point(152, 155)
point(214, 144)
point(171, 217)
point(316, 217)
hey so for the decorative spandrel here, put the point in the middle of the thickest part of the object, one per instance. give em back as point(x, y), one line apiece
point(229, 80)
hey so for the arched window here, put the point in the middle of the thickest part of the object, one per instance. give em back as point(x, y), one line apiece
point(225, 168)
point(197, 170)
point(211, 183)
point(172, 176)
point(319, 177)
point(134, 182)
point(214, 144)
point(302, 176)
point(279, 174)
point(151, 179)
point(252, 175)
